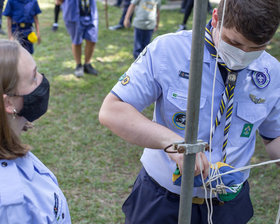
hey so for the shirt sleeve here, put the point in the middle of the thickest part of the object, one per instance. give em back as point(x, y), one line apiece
point(8, 10)
point(36, 8)
point(139, 86)
point(270, 128)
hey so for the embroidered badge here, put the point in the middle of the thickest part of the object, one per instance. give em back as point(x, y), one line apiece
point(255, 99)
point(56, 204)
point(184, 75)
point(247, 129)
point(179, 120)
point(125, 80)
point(260, 79)
point(122, 77)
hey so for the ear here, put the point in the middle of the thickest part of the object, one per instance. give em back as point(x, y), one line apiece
point(215, 20)
point(8, 104)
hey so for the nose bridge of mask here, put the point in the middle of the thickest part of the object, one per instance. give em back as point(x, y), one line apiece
point(231, 51)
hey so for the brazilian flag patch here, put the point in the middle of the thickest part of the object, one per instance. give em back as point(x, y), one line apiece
point(247, 129)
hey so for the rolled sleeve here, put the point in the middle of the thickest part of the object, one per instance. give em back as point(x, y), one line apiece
point(270, 128)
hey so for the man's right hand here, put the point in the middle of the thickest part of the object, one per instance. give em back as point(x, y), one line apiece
point(200, 157)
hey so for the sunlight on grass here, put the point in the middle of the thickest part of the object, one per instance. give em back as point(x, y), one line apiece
point(46, 5)
point(69, 63)
point(70, 79)
point(113, 58)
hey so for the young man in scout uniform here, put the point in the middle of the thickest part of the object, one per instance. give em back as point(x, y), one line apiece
point(161, 75)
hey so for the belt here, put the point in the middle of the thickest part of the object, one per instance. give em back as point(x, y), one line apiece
point(22, 25)
point(195, 200)
point(201, 201)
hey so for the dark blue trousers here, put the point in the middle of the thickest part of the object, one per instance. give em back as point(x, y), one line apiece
point(141, 39)
point(125, 8)
point(1, 11)
point(149, 203)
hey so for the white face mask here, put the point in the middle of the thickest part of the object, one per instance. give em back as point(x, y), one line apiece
point(235, 58)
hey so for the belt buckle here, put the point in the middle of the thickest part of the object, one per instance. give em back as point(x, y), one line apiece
point(22, 25)
point(198, 201)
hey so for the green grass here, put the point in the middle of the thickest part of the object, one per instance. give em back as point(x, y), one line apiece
point(95, 168)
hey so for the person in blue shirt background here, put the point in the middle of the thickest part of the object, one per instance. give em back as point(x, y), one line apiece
point(29, 190)
point(81, 21)
point(21, 14)
point(160, 75)
point(1, 11)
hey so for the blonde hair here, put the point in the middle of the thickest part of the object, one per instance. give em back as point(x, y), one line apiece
point(10, 145)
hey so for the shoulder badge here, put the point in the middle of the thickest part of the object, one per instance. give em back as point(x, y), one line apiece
point(125, 80)
point(261, 80)
point(122, 77)
point(179, 120)
point(56, 205)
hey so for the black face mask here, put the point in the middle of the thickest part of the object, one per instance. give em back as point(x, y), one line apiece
point(35, 104)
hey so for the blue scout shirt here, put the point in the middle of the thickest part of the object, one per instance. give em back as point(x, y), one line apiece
point(71, 11)
point(22, 11)
point(161, 75)
point(29, 193)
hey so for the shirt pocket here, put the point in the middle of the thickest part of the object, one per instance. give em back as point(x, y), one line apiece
point(251, 113)
point(249, 117)
point(176, 108)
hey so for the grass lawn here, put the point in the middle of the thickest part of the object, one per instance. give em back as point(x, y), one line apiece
point(95, 168)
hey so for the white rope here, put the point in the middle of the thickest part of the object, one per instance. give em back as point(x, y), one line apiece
point(209, 218)
point(245, 168)
point(211, 125)
point(217, 175)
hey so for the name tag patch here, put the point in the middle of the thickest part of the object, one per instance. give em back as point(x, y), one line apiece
point(184, 75)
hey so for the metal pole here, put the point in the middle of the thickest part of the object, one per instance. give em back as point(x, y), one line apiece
point(106, 13)
point(199, 22)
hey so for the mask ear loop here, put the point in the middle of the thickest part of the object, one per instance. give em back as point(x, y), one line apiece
point(210, 213)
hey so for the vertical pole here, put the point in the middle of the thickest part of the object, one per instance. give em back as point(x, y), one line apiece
point(106, 13)
point(199, 22)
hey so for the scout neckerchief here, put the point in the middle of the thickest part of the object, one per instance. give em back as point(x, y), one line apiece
point(85, 7)
point(228, 94)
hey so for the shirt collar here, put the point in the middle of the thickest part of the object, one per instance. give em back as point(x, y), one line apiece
point(260, 64)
